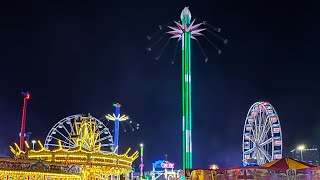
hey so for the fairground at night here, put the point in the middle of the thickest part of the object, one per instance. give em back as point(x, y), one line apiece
point(164, 90)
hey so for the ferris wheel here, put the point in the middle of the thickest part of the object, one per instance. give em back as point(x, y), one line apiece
point(262, 136)
point(83, 127)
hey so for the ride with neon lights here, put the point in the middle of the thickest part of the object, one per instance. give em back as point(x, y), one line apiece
point(185, 31)
point(262, 135)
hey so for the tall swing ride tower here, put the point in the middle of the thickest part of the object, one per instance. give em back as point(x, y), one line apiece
point(185, 31)
point(116, 118)
point(186, 90)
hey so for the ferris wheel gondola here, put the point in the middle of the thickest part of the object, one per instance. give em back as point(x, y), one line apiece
point(262, 135)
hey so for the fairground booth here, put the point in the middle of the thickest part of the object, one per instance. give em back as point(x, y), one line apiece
point(285, 168)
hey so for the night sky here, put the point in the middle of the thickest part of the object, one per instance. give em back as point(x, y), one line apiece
point(80, 57)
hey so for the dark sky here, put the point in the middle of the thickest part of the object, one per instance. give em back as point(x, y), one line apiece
point(79, 57)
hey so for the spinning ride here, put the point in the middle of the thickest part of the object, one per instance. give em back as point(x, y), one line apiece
point(262, 136)
point(184, 31)
point(116, 118)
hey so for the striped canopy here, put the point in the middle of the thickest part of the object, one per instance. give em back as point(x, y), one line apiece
point(288, 163)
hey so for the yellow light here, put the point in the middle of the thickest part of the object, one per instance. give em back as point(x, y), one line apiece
point(301, 147)
point(113, 117)
point(39, 175)
point(27, 145)
point(40, 144)
point(214, 167)
point(12, 150)
point(87, 155)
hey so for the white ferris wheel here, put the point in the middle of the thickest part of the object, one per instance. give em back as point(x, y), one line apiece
point(69, 128)
point(262, 136)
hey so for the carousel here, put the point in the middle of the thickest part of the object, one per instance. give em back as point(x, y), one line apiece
point(77, 147)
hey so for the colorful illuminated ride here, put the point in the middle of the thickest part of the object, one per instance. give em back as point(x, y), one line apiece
point(262, 135)
point(81, 155)
point(116, 118)
point(184, 31)
point(68, 129)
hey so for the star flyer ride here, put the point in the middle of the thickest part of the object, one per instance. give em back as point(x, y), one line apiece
point(80, 156)
point(183, 32)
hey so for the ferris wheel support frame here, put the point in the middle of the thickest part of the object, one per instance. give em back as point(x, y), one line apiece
point(262, 127)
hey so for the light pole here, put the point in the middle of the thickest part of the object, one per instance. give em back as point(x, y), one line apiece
point(141, 165)
point(33, 142)
point(301, 148)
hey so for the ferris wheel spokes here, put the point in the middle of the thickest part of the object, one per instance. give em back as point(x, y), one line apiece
point(266, 124)
point(105, 130)
point(249, 151)
point(62, 141)
point(264, 133)
point(267, 142)
point(104, 138)
point(91, 131)
point(262, 139)
point(71, 127)
point(73, 144)
point(265, 154)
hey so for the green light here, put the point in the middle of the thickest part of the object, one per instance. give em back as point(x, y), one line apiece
point(183, 108)
point(186, 97)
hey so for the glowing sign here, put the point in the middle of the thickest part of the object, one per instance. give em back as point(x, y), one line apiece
point(167, 165)
point(163, 164)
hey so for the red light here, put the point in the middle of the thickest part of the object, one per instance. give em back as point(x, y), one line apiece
point(28, 96)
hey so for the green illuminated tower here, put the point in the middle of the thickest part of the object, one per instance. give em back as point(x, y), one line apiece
point(185, 31)
point(186, 91)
